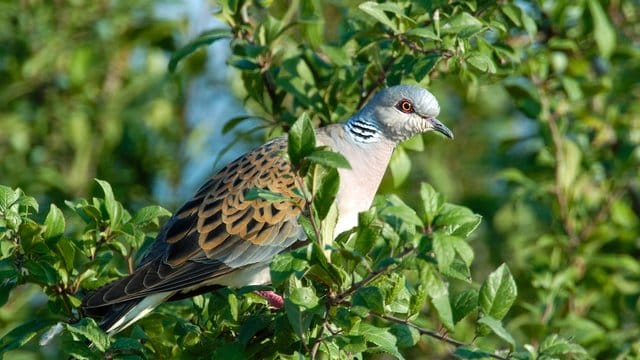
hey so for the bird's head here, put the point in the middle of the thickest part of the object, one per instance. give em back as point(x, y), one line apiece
point(403, 111)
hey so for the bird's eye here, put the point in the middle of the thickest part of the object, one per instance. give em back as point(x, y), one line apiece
point(405, 106)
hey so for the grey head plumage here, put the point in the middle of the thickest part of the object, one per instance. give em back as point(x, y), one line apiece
point(398, 113)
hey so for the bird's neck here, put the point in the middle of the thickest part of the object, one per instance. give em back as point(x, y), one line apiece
point(363, 130)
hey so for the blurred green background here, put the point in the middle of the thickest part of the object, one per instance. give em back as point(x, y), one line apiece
point(547, 145)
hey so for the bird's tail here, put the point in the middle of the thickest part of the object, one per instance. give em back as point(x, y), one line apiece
point(117, 317)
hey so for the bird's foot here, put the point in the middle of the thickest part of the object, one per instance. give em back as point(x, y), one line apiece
point(275, 301)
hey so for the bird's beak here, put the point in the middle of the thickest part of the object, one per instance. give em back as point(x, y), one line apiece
point(439, 127)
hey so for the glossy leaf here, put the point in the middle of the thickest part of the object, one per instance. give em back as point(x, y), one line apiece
point(54, 223)
point(301, 139)
point(498, 293)
point(603, 32)
point(204, 39)
point(498, 329)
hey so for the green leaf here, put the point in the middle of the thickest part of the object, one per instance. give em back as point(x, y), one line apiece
point(54, 223)
point(395, 208)
point(512, 12)
point(244, 64)
point(256, 193)
point(305, 297)
point(529, 24)
point(7, 268)
point(406, 336)
point(415, 143)
point(149, 213)
point(299, 320)
point(424, 33)
point(350, 343)
point(498, 329)
point(572, 88)
point(456, 220)
point(376, 11)
point(432, 202)
point(41, 272)
point(206, 38)
point(370, 297)
point(498, 293)
point(466, 353)
point(569, 163)
point(463, 249)
point(482, 62)
point(123, 344)
point(87, 329)
point(464, 304)
point(556, 347)
point(283, 266)
point(464, 25)
point(328, 182)
point(27, 201)
point(7, 197)
point(385, 341)
point(603, 31)
point(114, 208)
point(328, 158)
point(229, 351)
point(458, 270)
point(233, 122)
point(21, 334)
point(423, 66)
point(400, 166)
point(328, 226)
point(444, 250)
point(251, 326)
point(232, 300)
point(5, 290)
point(438, 291)
point(302, 140)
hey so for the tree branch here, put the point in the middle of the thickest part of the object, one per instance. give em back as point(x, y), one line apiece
point(338, 298)
point(364, 97)
point(433, 334)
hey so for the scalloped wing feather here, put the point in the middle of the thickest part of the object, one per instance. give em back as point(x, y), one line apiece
point(219, 230)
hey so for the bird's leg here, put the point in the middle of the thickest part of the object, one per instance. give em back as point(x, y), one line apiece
point(275, 301)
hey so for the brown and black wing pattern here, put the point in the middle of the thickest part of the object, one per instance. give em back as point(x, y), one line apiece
point(218, 231)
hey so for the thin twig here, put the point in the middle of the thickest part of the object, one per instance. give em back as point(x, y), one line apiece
point(377, 83)
point(319, 339)
point(433, 334)
point(417, 48)
point(338, 298)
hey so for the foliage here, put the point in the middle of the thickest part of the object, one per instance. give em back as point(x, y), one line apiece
point(82, 80)
point(545, 95)
point(365, 299)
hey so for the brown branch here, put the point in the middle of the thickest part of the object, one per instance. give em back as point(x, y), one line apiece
point(376, 84)
point(433, 334)
point(338, 298)
point(319, 339)
point(417, 48)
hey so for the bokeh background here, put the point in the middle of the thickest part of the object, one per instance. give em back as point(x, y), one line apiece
point(546, 148)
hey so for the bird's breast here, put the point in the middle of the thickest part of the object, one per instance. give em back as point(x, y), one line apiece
point(358, 185)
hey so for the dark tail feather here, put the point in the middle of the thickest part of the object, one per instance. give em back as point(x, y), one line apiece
point(115, 312)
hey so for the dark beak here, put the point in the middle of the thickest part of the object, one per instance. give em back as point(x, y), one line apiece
point(439, 127)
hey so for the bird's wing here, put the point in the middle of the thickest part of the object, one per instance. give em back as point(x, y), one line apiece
point(219, 230)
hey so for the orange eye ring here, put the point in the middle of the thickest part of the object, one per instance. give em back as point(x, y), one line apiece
point(405, 106)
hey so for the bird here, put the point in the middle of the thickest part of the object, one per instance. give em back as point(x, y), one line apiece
point(220, 238)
